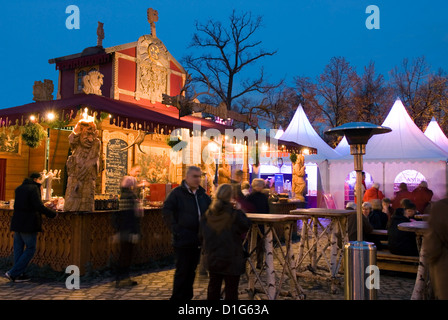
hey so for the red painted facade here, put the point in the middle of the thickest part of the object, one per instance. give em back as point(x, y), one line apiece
point(120, 83)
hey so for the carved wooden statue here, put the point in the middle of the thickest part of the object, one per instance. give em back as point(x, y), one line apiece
point(43, 91)
point(224, 173)
point(82, 167)
point(153, 17)
point(92, 83)
point(298, 178)
point(100, 34)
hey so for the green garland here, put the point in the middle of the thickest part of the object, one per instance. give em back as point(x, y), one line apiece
point(33, 134)
point(173, 143)
point(293, 157)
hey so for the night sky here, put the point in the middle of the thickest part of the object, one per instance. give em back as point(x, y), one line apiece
point(305, 33)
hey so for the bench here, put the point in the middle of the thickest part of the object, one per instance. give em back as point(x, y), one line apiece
point(394, 262)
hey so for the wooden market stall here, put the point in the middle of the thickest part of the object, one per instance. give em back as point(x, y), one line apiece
point(123, 89)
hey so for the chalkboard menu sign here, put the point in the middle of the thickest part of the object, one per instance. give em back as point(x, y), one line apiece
point(116, 164)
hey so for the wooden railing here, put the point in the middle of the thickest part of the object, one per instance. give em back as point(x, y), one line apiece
point(85, 240)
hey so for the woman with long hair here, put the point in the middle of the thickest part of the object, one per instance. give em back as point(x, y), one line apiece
point(222, 228)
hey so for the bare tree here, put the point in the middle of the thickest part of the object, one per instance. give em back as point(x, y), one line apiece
point(278, 107)
point(224, 52)
point(423, 92)
point(330, 94)
point(372, 97)
point(328, 98)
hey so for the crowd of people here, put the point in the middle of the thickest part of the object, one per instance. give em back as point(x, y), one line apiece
point(381, 213)
point(214, 228)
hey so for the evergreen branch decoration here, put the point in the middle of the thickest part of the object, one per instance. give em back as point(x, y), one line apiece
point(33, 134)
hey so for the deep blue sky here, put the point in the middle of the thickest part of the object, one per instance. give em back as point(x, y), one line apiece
point(306, 34)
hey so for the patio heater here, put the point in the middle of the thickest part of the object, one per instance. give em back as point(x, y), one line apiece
point(358, 255)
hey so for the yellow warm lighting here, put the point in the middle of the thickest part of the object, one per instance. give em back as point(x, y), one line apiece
point(32, 118)
point(50, 116)
point(213, 146)
point(306, 151)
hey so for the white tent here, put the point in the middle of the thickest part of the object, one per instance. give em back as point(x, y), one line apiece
point(388, 155)
point(302, 132)
point(279, 133)
point(435, 133)
point(343, 148)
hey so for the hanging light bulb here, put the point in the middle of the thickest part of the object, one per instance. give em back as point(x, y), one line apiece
point(50, 116)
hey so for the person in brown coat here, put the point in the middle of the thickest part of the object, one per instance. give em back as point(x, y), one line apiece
point(402, 193)
point(436, 245)
point(421, 196)
point(221, 231)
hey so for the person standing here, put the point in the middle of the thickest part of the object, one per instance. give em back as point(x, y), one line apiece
point(259, 202)
point(26, 222)
point(372, 193)
point(436, 245)
point(182, 211)
point(402, 193)
point(222, 230)
point(126, 222)
point(422, 196)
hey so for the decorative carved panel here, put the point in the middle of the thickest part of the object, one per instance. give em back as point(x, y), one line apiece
point(152, 69)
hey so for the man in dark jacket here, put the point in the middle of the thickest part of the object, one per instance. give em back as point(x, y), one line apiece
point(182, 211)
point(260, 204)
point(26, 222)
point(402, 242)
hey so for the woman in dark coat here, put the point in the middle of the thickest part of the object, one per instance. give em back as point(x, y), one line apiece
point(222, 228)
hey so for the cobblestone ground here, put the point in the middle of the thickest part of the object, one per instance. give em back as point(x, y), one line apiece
point(157, 285)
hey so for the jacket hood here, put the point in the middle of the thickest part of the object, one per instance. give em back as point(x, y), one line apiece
point(220, 219)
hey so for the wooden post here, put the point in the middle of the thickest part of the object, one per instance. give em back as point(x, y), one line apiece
point(252, 246)
point(80, 246)
point(420, 283)
point(270, 271)
point(316, 237)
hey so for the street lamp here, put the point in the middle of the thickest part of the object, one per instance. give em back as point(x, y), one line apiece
point(358, 254)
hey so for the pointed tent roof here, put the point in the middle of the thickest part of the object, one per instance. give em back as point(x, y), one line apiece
point(435, 133)
point(302, 132)
point(279, 133)
point(343, 148)
point(405, 142)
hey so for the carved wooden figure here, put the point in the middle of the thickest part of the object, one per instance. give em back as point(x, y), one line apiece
point(298, 180)
point(82, 167)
